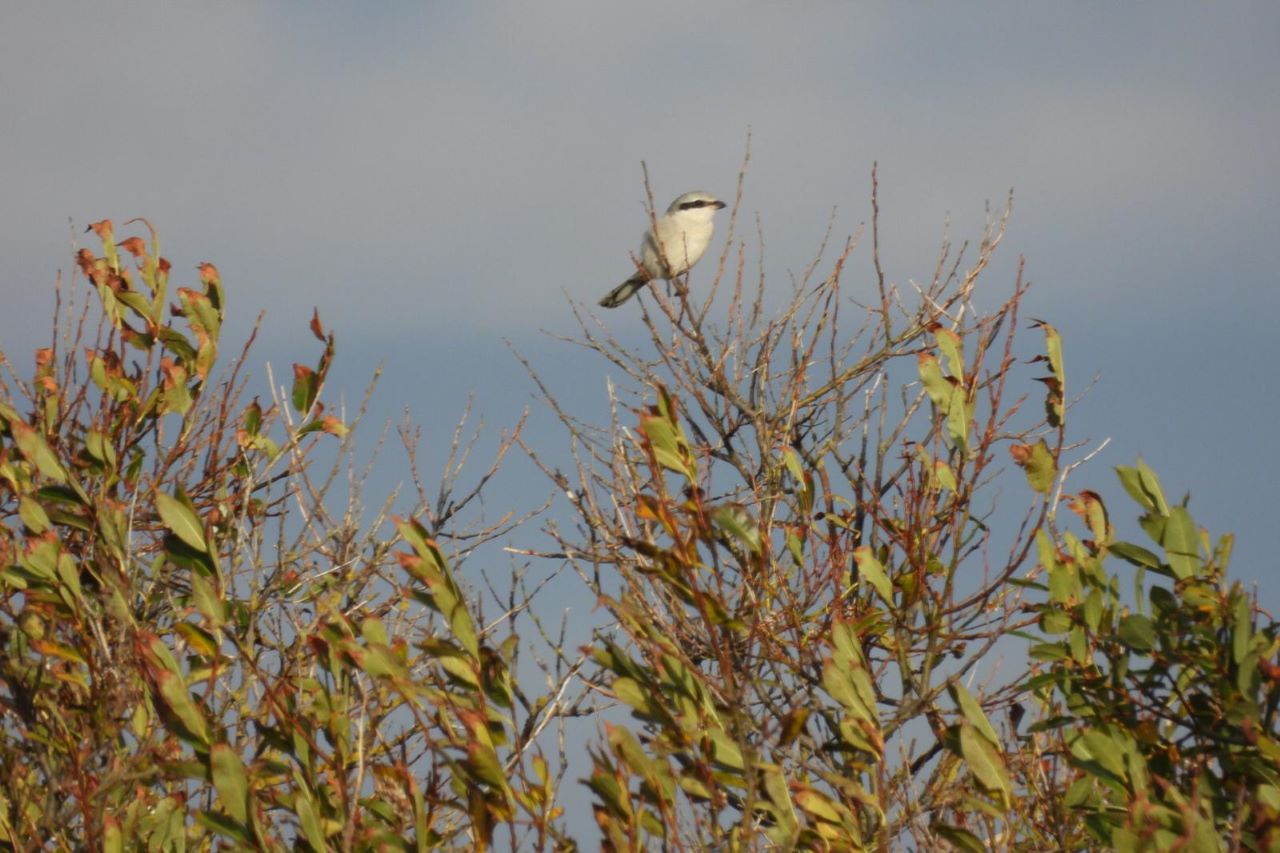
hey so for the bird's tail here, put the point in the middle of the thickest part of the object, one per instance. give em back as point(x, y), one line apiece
point(624, 291)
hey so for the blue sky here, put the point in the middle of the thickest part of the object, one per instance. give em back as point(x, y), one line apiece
point(438, 178)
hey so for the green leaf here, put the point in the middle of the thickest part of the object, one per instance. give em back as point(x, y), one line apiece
point(960, 839)
point(945, 476)
point(35, 450)
point(200, 641)
point(949, 342)
point(428, 566)
point(1138, 556)
point(872, 572)
point(1053, 350)
point(180, 517)
point(973, 712)
point(724, 751)
point(1048, 652)
point(222, 825)
point(230, 781)
point(173, 691)
point(1056, 382)
point(207, 600)
point(306, 385)
point(985, 761)
point(100, 449)
point(484, 767)
point(630, 692)
point(253, 418)
point(795, 545)
point(1054, 621)
point(1102, 748)
point(1143, 486)
point(1241, 627)
point(373, 631)
point(112, 837)
point(378, 662)
point(1269, 795)
point(783, 811)
point(958, 418)
point(669, 445)
point(177, 343)
point(1137, 632)
point(839, 685)
point(818, 805)
point(735, 520)
point(1092, 610)
point(177, 396)
point(1181, 543)
point(1037, 462)
point(33, 515)
point(42, 559)
point(309, 816)
point(937, 386)
point(1133, 485)
point(792, 460)
point(1151, 485)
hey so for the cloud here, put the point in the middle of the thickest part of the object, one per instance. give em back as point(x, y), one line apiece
point(407, 166)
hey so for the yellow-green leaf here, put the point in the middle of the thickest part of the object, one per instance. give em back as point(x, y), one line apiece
point(1181, 543)
point(35, 450)
point(735, 520)
point(984, 759)
point(937, 386)
point(949, 343)
point(175, 695)
point(230, 781)
point(180, 518)
point(1037, 462)
point(973, 712)
point(33, 515)
point(872, 571)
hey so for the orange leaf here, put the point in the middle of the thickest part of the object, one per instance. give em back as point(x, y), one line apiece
point(135, 246)
point(84, 259)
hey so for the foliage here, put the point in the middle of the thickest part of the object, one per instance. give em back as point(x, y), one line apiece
point(1165, 709)
point(817, 587)
point(808, 576)
point(195, 646)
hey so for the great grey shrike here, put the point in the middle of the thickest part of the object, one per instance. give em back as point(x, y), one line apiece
point(680, 238)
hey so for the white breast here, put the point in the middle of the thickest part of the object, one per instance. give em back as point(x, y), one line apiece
point(683, 237)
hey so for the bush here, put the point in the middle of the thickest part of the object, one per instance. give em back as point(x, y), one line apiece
point(814, 569)
point(196, 645)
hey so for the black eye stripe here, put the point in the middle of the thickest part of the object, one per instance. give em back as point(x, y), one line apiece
point(692, 204)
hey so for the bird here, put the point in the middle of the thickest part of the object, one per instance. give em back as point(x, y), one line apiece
point(675, 243)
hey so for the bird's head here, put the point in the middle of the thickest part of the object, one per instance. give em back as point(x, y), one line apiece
point(697, 204)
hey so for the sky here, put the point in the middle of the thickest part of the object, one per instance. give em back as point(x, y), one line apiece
point(441, 179)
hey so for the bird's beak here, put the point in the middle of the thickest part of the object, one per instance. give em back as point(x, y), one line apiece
point(719, 205)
